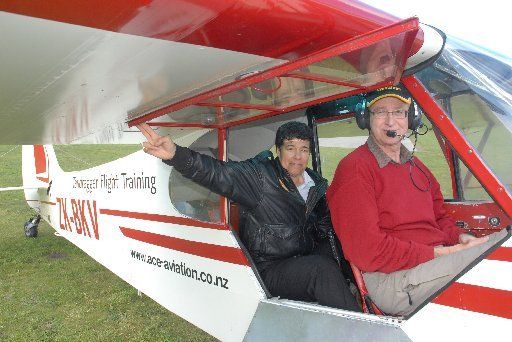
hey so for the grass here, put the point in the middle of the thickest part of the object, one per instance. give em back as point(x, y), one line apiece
point(79, 157)
point(52, 291)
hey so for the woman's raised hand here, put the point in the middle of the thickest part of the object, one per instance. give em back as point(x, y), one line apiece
point(159, 146)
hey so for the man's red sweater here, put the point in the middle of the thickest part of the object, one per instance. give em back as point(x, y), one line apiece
point(384, 222)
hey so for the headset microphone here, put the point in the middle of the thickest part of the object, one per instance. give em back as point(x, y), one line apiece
point(393, 134)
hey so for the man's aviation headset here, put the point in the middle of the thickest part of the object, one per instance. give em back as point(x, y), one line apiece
point(362, 114)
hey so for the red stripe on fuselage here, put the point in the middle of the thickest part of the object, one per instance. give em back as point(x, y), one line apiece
point(164, 218)
point(50, 203)
point(40, 159)
point(477, 299)
point(501, 254)
point(206, 250)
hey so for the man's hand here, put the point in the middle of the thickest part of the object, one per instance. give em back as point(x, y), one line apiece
point(440, 251)
point(466, 241)
point(469, 241)
point(465, 238)
point(156, 145)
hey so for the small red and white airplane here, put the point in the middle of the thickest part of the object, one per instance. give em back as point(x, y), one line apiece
point(220, 76)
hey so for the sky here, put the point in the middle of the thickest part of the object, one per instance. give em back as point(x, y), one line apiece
point(486, 25)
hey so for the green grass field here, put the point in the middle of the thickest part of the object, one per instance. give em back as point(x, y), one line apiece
point(52, 291)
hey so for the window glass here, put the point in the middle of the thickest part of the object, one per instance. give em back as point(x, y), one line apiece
point(487, 134)
point(429, 152)
point(342, 73)
point(336, 139)
point(473, 86)
point(189, 198)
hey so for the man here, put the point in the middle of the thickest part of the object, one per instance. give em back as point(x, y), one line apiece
point(387, 210)
point(283, 212)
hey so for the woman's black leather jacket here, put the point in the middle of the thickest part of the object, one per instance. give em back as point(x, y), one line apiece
point(275, 221)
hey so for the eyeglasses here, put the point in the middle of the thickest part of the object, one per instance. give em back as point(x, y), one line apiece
point(397, 113)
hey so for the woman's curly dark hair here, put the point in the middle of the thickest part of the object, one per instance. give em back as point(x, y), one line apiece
point(293, 130)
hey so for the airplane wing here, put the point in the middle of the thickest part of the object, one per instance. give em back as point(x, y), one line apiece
point(77, 72)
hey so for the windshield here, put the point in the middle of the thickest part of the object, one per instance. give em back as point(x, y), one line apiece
point(474, 86)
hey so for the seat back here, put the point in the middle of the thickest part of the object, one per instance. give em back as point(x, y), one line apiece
point(234, 216)
point(366, 301)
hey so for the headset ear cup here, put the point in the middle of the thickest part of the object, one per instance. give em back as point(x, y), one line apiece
point(367, 118)
point(362, 115)
point(414, 116)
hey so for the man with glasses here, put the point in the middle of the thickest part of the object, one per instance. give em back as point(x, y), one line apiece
point(388, 211)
